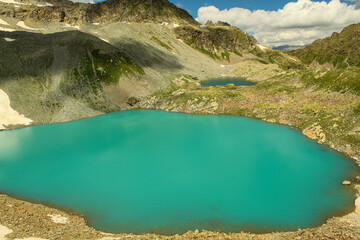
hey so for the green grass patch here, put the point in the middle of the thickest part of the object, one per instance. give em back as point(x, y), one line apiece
point(226, 56)
point(339, 80)
point(357, 108)
point(237, 53)
point(162, 44)
point(206, 52)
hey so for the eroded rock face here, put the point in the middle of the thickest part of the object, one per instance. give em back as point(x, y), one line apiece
point(315, 132)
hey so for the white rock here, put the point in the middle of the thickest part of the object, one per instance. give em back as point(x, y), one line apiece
point(9, 39)
point(56, 218)
point(7, 29)
point(23, 25)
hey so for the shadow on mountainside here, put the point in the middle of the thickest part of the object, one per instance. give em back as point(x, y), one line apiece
point(148, 56)
point(25, 54)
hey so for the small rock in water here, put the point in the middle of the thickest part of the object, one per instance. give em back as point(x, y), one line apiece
point(346, 183)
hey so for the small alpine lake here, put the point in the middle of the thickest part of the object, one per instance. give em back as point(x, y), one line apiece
point(152, 171)
point(225, 81)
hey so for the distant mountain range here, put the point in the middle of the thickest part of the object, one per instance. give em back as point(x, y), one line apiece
point(289, 48)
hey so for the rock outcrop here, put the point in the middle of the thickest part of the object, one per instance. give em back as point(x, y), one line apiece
point(315, 132)
point(217, 41)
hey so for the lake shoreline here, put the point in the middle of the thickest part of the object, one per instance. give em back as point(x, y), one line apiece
point(25, 219)
point(43, 212)
point(335, 227)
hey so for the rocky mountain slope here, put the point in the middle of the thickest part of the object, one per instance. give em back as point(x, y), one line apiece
point(340, 50)
point(334, 62)
point(222, 42)
point(53, 73)
point(157, 11)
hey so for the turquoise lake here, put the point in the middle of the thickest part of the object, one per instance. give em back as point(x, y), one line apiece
point(225, 81)
point(152, 171)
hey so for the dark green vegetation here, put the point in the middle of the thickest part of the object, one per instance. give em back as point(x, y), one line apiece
point(161, 43)
point(339, 80)
point(107, 67)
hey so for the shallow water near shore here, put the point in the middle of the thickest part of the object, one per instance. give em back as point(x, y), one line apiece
point(152, 171)
point(225, 81)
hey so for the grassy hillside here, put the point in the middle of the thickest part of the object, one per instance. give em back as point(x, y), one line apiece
point(340, 50)
point(46, 74)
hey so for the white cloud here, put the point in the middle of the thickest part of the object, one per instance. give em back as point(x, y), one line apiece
point(297, 23)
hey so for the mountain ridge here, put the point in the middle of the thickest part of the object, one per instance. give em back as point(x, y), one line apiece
point(340, 50)
point(156, 11)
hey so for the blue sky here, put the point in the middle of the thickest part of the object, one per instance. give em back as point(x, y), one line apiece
point(192, 6)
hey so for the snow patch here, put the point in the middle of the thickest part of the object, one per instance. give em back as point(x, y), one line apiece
point(5, 231)
point(45, 5)
point(263, 48)
point(105, 40)
point(23, 25)
point(9, 39)
point(294, 59)
point(176, 25)
point(96, 24)
point(9, 116)
point(7, 29)
point(56, 218)
point(10, 1)
point(67, 25)
point(2, 22)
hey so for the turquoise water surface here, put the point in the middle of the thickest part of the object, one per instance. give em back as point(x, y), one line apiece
point(152, 171)
point(225, 81)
